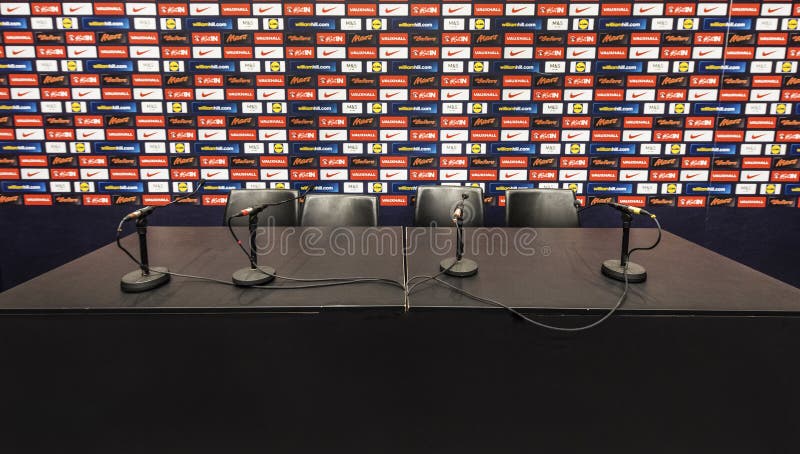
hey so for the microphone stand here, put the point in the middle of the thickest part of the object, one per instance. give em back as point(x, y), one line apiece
point(616, 269)
point(459, 266)
point(254, 275)
point(146, 277)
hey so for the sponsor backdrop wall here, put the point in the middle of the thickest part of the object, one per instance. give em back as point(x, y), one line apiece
point(688, 108)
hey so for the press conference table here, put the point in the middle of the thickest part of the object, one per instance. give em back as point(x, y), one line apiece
point(537, 269)
point(204, 367)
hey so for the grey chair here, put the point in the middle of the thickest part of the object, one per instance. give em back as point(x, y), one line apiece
point(541, 208)
point(435, 205)
point(334, 210)
point(280, 215)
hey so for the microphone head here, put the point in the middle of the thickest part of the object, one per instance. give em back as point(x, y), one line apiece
point(464, 196)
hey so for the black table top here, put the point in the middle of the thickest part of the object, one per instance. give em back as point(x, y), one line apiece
point(542, 269)
point(92, 282)
point(560, 269)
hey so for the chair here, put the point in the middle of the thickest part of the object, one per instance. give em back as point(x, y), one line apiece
point(333, 210)
point(281, 215)
point(541, 208)
point(435, 205)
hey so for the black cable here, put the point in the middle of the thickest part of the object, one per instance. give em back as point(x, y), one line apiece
point(525, 318)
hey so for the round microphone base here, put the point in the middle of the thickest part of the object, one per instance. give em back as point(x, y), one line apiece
point(636, 273)
point(135, 281)
point(458, 268)
point(247, 277)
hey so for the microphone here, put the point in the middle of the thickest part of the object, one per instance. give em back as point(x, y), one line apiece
point(146, 211)
point(458, 213)
point(630, 209)
point(139, 213)
point(259, 208)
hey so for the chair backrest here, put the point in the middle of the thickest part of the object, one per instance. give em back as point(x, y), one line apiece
point(284, 214)
point(541, 208)
point(435, 205)
point(335, 210)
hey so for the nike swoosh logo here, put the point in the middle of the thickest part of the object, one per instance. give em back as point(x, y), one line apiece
point(389, 136)
point(11, 10)
point(149, 134)
point(17, 52)
point(511, 136)
point(633, 136)
point(450, 136)
point(23, 93)
point(514, 53)
point(75, 8)
point(89, 134)
point(91, 174)
point(453, 10)
point(328, 135)
point(328, 53)
point(514, 95)
point(703, 53)
point(264, 53)
point(691, 175)
point(450, 53)
point(390, 10)
point(581, 10)
point(209, 134)
point(331, 174)
point(82, 94)
point(708, 10)
point(639, 53)
point(152, 174)
point(757, 136)
point(450, 175)
point(328, 95)
point(638, 95)
point(516, 10)
point(202, 10)
point(146, 93)
point(270, 175)
point(264, 10)
point(142, 52)
point(389, 54)
point(390, 175)
point(570, 175)
point(762, 95)
point(27, 134)
point(206, 95)
point(772, 10)
point(511, 175)
point(213, 174)
point(750, 177)
point(572, 136)
point(139, 9)
point(270, 135)
point(267, 95)
point(700, 95)
point(392, 95)
point(766, 54)
point(574, 95)
point(78, 52)
point(694, 136)
point(205, 52)
point(328, 10)
point(578, 53)
point(632, 175)
point(452, 95)
point(644, 10)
